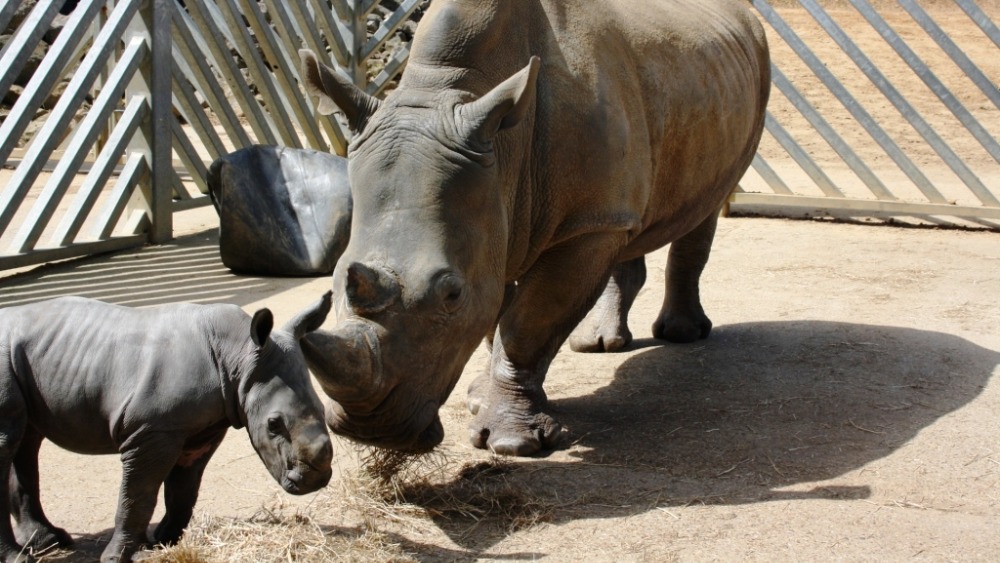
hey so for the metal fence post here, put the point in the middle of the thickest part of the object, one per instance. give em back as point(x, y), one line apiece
point(161, 144)
point(359, 34)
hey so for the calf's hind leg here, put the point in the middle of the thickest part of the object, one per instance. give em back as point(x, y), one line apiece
point(33, 527)
point(12, 424)
point(682, 318)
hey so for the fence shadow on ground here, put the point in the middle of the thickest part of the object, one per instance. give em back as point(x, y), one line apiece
point(188, 269)
point(757, 409)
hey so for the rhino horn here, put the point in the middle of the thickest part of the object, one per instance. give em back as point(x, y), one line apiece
point(336, 91)
point(505, 105)
point(311, 318)
point(370, 289)
point(344, 361)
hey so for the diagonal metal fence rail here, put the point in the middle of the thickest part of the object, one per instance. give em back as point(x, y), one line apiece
point(114, 109)
point(880, 110)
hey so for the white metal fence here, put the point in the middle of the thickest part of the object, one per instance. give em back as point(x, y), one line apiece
point(110, 130)
point(892, 110)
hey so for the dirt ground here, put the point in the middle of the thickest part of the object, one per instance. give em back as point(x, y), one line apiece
point(845, 407)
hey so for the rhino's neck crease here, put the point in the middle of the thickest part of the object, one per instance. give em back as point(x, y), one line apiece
point(231, 365)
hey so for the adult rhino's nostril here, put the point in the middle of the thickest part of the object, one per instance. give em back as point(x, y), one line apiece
point(371, 289)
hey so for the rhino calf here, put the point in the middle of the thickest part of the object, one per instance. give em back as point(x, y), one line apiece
point(159, 387)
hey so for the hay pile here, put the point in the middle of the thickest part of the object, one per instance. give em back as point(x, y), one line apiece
point(388, 492)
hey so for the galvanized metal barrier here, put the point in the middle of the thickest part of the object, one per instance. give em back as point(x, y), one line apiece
point(100, 140)
point(133, 99)
point(899, 86)
point(152, 91)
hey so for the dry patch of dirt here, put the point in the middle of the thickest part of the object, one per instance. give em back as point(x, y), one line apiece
point(845, 407)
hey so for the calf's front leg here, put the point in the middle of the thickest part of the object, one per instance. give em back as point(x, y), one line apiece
point(180, 491)
point(144, 467)
point(605, 329)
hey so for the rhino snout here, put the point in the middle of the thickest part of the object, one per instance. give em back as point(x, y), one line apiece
point(311, 467)
point(304, 478)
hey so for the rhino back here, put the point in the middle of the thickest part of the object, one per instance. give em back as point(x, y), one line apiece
point(646, 115)
point(94, 374)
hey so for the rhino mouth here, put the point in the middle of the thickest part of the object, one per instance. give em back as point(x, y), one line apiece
point(301, 481)
point(419, 433)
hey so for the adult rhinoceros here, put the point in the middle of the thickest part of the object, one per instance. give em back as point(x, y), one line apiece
point(498, 200)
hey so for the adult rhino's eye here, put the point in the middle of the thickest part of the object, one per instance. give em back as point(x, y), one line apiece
point(451, 290)
point(276, 426)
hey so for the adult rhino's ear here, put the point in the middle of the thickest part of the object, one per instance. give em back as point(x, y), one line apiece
point(311, 318)
point(503, 106)
point(260, 326)
point(336, 91)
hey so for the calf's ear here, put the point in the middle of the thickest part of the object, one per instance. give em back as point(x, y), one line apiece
point(336, 91)
point(311, 318)
point(260, 326)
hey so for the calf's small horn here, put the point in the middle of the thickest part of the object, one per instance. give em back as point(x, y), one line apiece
point(311, 318)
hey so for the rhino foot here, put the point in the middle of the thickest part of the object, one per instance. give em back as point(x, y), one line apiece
point(600, 339)
point(511, 422)
point(21, 556)
point(682, 329)
point(39, 537)
point(603, 330)
point(168, 532)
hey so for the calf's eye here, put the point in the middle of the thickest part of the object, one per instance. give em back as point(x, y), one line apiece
point(275, 426)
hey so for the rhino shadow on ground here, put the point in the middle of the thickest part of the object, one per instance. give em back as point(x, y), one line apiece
point(733, 419)
point(187, 269)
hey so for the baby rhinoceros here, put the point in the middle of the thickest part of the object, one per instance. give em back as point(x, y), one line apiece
point(159, 387)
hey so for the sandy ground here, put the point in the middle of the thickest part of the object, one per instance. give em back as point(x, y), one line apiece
point(845, 407)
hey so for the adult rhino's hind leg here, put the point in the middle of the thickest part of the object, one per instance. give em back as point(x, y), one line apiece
point(605, 329)
point(682, 318)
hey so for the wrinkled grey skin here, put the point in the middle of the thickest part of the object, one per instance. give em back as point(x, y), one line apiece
point(498, 200)
point(160, 387)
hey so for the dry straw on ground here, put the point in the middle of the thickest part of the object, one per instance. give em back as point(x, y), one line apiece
point(390, 491)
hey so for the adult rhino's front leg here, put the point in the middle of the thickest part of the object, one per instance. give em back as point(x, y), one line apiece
point(508, 401)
